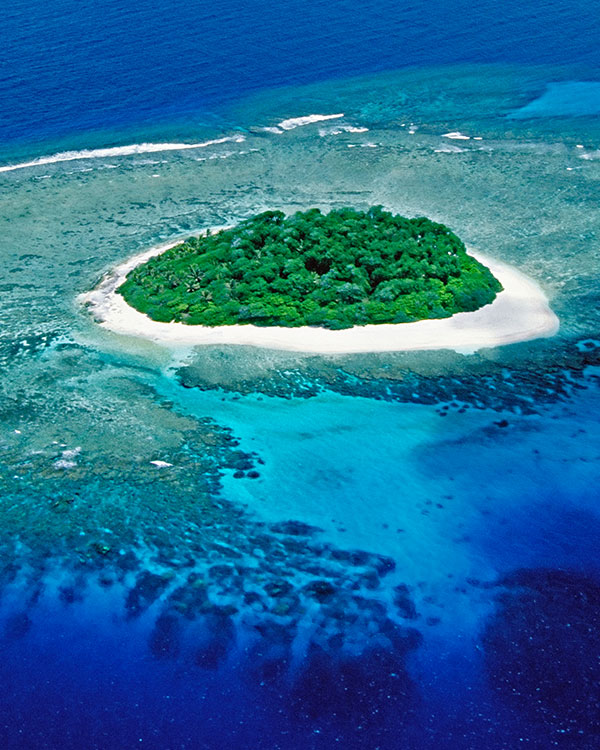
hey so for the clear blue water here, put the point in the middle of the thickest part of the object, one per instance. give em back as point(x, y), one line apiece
point(69, 69)
point(365, 552)
point(578, 98)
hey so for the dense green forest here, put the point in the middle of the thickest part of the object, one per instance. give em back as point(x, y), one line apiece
point(337, 270)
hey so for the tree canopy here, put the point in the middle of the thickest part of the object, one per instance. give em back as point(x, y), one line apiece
point(334, 270)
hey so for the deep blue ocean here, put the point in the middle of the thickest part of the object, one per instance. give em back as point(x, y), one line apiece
point(69, 68)
point(236, 549)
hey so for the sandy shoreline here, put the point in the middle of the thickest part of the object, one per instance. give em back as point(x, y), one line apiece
point(519, 313)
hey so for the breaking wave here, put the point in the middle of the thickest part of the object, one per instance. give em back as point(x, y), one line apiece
point(103, 153)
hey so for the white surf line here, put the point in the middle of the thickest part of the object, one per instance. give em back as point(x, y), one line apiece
point(298, 122)
point(103, 153)
point(457, 136)
point(338, 129)
point(449, 149)
point(519, 313)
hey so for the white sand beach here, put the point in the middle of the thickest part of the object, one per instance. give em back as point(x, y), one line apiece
point(519, 313)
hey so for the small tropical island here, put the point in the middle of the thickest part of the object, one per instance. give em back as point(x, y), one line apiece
point(338, 270)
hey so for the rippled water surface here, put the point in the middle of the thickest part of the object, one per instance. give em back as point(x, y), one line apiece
point(234, 547)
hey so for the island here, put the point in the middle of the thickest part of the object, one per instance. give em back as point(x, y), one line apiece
point(181, 295)
point(337, 270)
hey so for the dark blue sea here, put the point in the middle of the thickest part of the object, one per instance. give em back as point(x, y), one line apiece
point(69, 69)
point(244, 548)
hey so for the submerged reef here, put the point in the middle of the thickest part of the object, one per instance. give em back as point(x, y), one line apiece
point(526, 384)
point(209, 586)
point(312, 633)
point(337, 270)
point(308, 626)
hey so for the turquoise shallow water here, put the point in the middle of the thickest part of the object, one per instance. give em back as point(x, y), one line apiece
point(374, 550)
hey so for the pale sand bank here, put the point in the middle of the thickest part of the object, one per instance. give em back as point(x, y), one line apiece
point(519, 313)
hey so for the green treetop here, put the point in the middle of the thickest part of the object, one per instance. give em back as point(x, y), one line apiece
point(337, 270)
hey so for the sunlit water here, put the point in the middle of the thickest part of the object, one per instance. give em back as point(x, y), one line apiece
point(370, 551)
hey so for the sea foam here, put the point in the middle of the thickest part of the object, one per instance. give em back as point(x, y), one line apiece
point(449, 149)
point(297, 122)
point(456, 135)
point(338, 129)
point(103, 153)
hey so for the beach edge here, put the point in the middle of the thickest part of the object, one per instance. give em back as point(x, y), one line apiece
point(520, 312)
